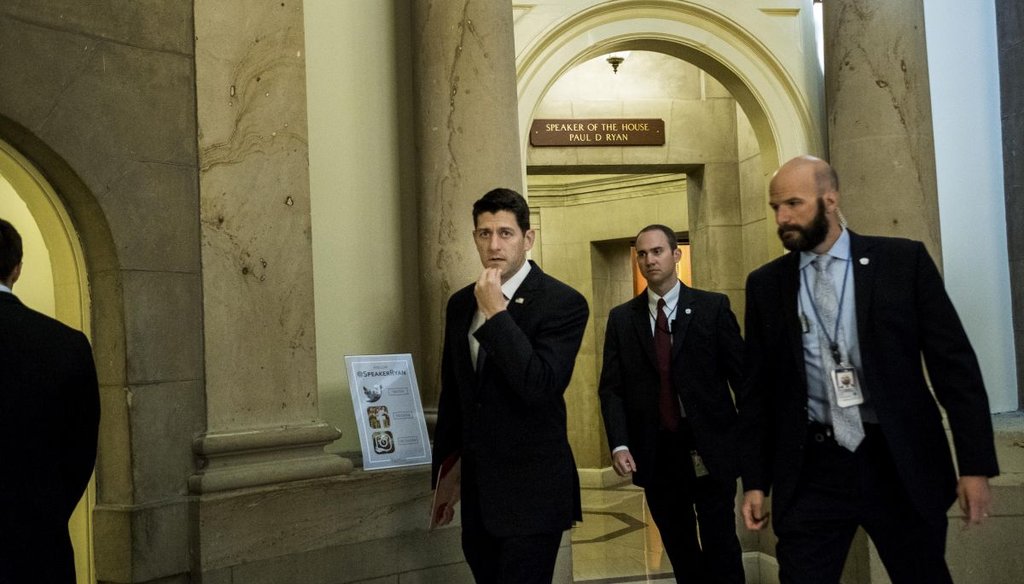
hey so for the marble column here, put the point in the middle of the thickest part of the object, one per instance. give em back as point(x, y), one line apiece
point(716, 230)
point(263, 424)
point(1010, 27)
point(467, 144)
point(878, 106)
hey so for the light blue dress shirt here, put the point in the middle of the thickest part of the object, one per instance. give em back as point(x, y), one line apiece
point(818, 382)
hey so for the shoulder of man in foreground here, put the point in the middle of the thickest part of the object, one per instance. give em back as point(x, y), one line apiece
point(42, 324)
point(770, 267)
point(897, 243)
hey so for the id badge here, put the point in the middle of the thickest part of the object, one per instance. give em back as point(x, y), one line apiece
point(844, 382)
point(698, 464)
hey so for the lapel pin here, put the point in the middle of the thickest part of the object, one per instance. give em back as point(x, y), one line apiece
point(519, 300)
point(688, 311)
point(864, 261)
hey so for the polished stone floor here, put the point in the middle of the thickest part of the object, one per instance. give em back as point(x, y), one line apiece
point(617, 541)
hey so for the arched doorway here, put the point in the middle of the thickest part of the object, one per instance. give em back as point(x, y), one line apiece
point(55, 283)
point(777, 114)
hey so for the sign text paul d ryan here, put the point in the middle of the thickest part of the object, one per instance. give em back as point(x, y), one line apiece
point(598, 132)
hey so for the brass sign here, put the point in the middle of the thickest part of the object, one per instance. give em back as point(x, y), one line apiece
point(598, 132)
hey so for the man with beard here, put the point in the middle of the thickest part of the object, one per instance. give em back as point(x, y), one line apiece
point(837, 416)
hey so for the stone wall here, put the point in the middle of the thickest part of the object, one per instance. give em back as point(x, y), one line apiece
point(100, 97)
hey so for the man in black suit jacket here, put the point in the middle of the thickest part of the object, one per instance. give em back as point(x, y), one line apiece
point(838, 418)
point(49, 417)
point(684, 462)
point(510, 345)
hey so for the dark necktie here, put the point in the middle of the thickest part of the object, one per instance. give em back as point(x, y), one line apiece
point(667, 406)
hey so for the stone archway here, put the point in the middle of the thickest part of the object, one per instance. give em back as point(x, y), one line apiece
point(786, 114)
point(56, 284)
point(775, 88)
point(771, 75)
point(750, 52)
point(63, 217)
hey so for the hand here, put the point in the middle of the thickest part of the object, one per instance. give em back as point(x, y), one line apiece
point(622, 462)
point(448, 493)
point(754, 515)
point(974, 497)
point(489, 298)
point(444, 513)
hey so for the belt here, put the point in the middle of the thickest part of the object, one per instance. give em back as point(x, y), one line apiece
point(819, 432)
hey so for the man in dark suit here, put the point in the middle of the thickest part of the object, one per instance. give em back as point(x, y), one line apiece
point(510, 345)
point(838, 418)
point(670, 355)
point(49, 416)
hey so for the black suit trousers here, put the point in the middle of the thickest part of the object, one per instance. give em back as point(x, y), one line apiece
point(840, 490)
point(519, 559)
point(695, 515)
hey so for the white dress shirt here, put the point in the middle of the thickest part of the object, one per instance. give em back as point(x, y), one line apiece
point(508, 289)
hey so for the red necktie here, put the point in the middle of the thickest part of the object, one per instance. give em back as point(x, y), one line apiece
point(667, 406)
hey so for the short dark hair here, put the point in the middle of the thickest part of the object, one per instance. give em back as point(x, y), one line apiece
point(10, 249)
point(673, 241)
point(504, 200)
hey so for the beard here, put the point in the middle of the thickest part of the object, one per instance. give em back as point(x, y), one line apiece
point(808, 237)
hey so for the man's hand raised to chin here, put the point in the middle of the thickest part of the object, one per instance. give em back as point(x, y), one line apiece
point(489, 298)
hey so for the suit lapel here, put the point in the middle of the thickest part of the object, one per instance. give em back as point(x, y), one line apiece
point(684, 312)
point(641, 317)
point(464, 367)
point(865, 265)
point(789, 287)
point(527, 293)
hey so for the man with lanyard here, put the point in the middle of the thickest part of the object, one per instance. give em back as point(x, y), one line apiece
point(838, 419)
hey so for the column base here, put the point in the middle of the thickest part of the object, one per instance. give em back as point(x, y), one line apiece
point(262, 456)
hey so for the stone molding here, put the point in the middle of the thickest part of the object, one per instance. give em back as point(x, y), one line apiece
point(603, 189)
point(262, 456)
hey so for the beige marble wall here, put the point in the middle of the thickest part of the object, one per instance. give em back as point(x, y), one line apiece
point(775, 77)
point(701, 129)
point(758, 224)
point(467, 142)
point(364, 215)
point(698, 111)
point(349, 529)
point(100, 98)
point(880, 119)
point(254, 191)
point(260, 345)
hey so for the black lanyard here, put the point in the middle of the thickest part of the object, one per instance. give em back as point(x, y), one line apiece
point(833, 340)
